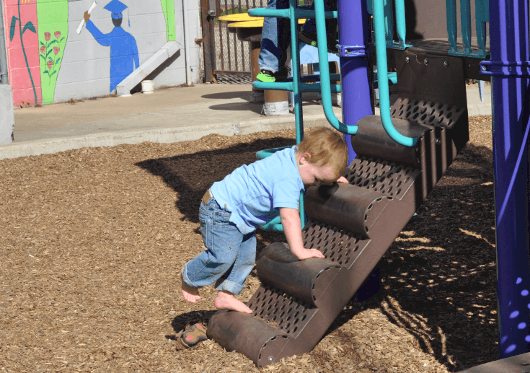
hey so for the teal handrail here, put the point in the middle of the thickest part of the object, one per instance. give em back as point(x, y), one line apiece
point(382, 77)
point(324, 72)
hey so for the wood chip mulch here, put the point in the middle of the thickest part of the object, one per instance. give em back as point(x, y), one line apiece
point(92, 242)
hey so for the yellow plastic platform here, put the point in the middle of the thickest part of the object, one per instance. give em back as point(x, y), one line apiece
point(244, 20)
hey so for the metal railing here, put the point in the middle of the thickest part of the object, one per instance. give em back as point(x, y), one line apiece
point(481, 18)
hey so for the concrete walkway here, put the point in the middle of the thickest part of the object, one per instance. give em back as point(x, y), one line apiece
point(167, 115)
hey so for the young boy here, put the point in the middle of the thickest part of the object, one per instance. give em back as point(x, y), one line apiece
point(251, 196)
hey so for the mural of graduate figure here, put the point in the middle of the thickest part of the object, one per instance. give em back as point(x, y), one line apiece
point(123, 49)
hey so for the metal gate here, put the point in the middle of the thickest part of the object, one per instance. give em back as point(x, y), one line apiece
point(232, 56)
point(226, 58)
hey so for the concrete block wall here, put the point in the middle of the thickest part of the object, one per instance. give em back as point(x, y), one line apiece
point(7, 116)
point(81, 67)
point(177, 69)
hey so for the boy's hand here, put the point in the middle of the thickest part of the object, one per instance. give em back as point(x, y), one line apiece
point(342, 179)
point(292, 227)
point(309, 253)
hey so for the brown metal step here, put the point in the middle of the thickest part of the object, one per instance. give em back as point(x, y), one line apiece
point(352, 225)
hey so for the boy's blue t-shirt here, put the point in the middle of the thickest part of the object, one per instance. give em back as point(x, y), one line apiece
point(254, 193)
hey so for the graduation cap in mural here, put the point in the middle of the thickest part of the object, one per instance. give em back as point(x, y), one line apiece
point(116, 7)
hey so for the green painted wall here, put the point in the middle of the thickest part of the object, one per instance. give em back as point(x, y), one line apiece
point(53, 33)
point(168, 6)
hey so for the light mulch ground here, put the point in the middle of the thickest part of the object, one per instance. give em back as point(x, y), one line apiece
point(92, 242)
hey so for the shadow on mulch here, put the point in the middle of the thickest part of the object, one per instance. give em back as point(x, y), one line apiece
point(180, 173)
point(438, 277)
point(183, 320)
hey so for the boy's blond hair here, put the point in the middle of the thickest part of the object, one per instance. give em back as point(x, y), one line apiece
point(327, 147)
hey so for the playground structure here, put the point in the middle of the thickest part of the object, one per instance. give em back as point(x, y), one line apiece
point(399, 157)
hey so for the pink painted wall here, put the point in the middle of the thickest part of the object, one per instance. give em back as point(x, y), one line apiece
point(24, 90)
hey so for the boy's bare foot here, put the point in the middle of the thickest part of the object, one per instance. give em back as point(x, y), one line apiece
point(190, 293)
point(226, 301)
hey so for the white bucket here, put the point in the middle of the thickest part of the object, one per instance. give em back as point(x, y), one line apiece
point(148, 86)
point(276, 108)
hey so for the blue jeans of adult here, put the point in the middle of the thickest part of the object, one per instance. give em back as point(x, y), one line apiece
point(229, 256)
point(276, 34)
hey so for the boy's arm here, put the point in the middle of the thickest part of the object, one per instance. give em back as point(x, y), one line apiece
point(292, 227)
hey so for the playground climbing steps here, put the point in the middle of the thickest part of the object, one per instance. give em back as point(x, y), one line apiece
point(354, 224)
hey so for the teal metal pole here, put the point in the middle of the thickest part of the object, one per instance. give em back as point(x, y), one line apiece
point(400, 22)
point(382, 76)
point(451, 24)
point(482, 16)
point(324, 71)
point(465, 19)
point(389, 22)
point(295, 57)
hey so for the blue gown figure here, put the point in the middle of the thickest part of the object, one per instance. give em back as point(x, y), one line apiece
point(123, 49)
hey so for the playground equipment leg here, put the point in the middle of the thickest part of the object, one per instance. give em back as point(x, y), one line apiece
point(276, 102)
point(353, 26)
point(510, 94)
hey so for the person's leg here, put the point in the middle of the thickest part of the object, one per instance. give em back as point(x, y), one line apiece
point(234, 281)
point(190, 293)
point(275, 38)
point(222, 240)
point(308, 34)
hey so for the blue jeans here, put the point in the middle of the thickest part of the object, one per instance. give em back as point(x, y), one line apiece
point(229, 256)
point(276, 34)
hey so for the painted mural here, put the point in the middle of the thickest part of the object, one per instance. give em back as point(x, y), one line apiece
point(168, 7)
point(22, 51)
point(53, 34)
point(123, 49)
point(49, 61)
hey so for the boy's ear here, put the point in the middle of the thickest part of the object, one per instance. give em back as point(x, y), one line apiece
point(305, 157)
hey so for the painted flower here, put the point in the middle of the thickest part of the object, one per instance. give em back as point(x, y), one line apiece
point(43, 49)
point(56, 50)
point(47, 36)
point(50, 64)
point(57, 34)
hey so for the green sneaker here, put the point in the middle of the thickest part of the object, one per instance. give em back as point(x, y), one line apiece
point(267, 76)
